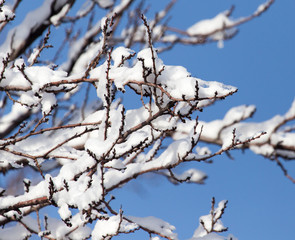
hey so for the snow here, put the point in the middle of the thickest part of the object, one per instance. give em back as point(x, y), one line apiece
point(79, 183)
point(105, 3)
point(103, 23)
point(64, 211)
point(18, 35)
point(105, 228)
point(285, 154)
point(16, 112)
point(155, 224)
point(69, 170)
point(87, 5)
point(221, 130)
point(81, 193)
point(291, 112)
point(236, 114)
point(38, 190)
point(262, 7)
point(41, 75)
point(85, 57)
point(19, 62)
point(203, 151)
point(191, 175)
point(99, 148)
point(221, 206)
point(252, 129)
point(209, 26)
point(48, 101)
point(265, 150)
point(206, 230)
point(147, 54)
point(158, 31)
point(175, 80)
point(217, 28)
point(59, 230)
point(56, 19)
point(170, 38)
point(38, 75)
point(75, 186)
point(79, 56)
point(100, 74)
point(6, 13)
point(287, 138)
point(213, 236)
point(33, 56)
point(111, 226)
point(119, 53)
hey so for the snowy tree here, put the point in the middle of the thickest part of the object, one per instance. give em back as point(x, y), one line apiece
point(66, 73)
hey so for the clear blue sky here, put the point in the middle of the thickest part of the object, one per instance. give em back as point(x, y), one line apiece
point(260, 62)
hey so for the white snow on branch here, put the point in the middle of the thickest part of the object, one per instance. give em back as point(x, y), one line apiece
point(5, 13)
point(107, 227)
point(105, 3)
point(221, 131)
point(211, 223)
point(209, 26)
point(192, 176)
point(111, 226)
point(58, 230)
point(18, 35)
point(56, 19)
point(119, 54)
point(155, 224)
point(176, 81)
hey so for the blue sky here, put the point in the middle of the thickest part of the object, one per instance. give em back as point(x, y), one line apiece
point(260, 62)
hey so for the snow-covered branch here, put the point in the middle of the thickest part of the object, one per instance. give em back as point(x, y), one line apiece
point(72, 126)
point(277, 141)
